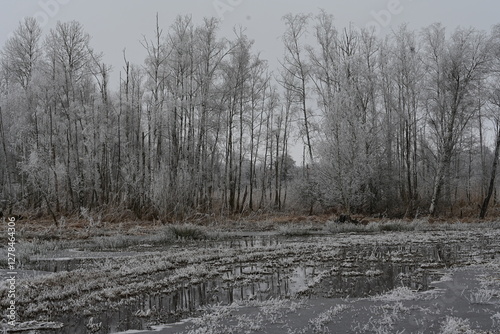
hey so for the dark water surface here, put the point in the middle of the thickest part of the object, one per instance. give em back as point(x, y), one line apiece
point(358, 270)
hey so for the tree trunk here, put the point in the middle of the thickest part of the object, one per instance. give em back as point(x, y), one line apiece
point(491, 187)
point(438, 185)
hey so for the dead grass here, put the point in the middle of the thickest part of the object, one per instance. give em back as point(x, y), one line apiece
point(104, 224)
point(188, 232)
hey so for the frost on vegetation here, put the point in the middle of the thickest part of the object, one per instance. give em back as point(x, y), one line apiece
point(314, 281)
point(383, 319)
point(393, 225)
point(212, 323)
point(480, 296)
point(274, 310)
point(319, 324)
point(92, 223)
point(454, 325)
point(188, 232)
point(221, 319)
point(295, 229)
point(334, 227)
point(112, 281)
point(275, 305)
point(496, 320)
point(249, 324)
point(273, 314)
point(93, 327)
point(397, 294)
point(118, 279)
point(220, 322)
point(406, 226)
point(191, 271)
point(373, 273)
point(447, 277)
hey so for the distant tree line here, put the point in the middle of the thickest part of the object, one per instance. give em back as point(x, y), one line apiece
point(406, 124)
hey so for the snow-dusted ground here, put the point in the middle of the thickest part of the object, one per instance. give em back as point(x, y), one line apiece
point(275, 284)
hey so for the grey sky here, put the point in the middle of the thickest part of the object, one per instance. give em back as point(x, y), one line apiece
point(118, 24)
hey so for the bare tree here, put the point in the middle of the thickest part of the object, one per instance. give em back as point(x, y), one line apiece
point(401, 73)
point(20, 59)
point(491, 184)
point(494, 99)
point(298, 72)
point(454, 67)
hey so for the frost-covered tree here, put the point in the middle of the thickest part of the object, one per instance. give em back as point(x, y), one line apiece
point(297, 76)
point(347, 94)
point(19, 115)
point(395, 124)
point(494, 115)
point(454, 67)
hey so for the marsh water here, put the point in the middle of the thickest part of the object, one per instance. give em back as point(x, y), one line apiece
point(345, 269)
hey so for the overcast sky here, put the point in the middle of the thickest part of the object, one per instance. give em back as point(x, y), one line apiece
point(118, 24)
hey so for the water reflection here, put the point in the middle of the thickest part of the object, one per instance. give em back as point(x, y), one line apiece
point(356, 271)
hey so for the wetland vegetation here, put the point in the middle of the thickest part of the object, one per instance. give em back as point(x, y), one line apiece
point(260, 278)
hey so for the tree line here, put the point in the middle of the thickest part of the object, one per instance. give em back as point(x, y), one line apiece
point(403, 125)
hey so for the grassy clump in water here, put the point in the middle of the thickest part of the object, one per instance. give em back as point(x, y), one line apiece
point(187, 232)
point(295, 230)
point(407, 226)
point(335, 227)
point(454, 325)
point(400, 226)
point(388, 226)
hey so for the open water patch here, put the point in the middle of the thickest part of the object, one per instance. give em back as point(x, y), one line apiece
point(270, 267)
